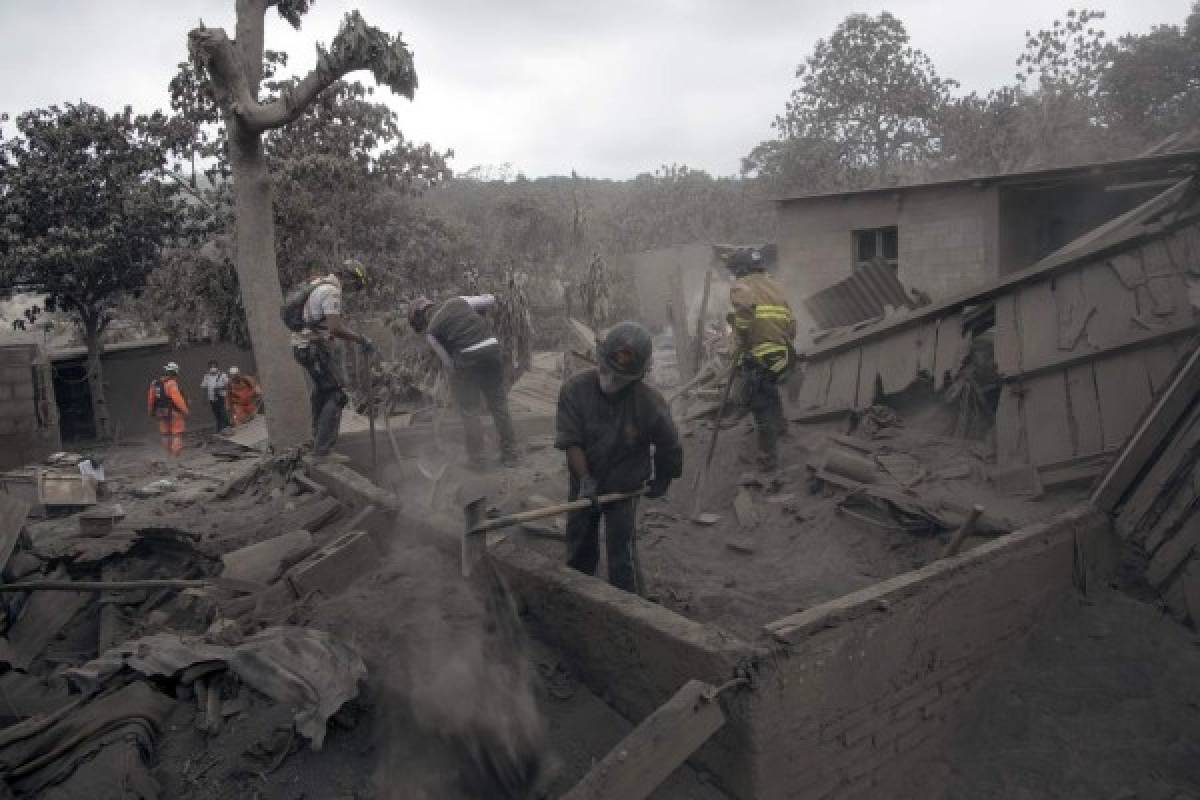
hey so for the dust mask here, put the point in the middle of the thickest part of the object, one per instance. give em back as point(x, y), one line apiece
point(611, 383)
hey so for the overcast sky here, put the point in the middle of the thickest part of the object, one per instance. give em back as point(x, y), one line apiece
point(608, 88)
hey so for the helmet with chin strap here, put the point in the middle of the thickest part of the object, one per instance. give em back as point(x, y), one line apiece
point(418, 313)
point(745, 260)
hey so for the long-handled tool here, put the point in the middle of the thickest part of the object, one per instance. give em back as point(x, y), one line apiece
point(371, 415)
point(702, 473)
point(474, 544)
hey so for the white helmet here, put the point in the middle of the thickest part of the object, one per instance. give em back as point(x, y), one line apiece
point(234, 371)
point(171, 367)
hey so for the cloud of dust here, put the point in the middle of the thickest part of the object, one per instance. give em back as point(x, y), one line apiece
point(461, 673)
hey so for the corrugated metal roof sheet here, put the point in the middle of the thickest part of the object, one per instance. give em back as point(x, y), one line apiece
point(864, 295)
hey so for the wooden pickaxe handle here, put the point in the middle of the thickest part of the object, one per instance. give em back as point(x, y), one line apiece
point(551, 511)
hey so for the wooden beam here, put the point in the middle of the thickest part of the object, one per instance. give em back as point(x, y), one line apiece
point(654, 749)
point(1137, 343)
point(1148, 437)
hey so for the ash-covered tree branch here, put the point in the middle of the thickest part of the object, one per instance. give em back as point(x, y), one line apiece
point(216, 52)
point(357, 46)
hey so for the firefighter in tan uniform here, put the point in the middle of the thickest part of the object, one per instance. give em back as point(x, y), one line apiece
point(765, 328)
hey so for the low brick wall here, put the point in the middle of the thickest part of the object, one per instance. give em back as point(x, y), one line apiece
point(849, 698)
point(860, 689)
point(636, 654)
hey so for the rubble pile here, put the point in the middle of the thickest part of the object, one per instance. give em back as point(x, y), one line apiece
point(172, 607)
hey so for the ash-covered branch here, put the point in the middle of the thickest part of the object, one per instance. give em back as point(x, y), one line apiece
point(357, 46)
point(216, 52)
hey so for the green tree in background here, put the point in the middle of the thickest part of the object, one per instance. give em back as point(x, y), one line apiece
point(85, 215)
point(1152, 84)
point(865, 110)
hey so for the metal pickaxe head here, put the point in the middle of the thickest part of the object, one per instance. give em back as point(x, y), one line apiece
point(474, 548)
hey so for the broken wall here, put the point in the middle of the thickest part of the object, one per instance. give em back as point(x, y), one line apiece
point(1083, 351)
point(1083, 340)
point(28, 416)
point(947, 236)
point(652, 272)
point(862, 689)
point(1153, 488)
point(847, 696)
point(634, 653)
point(128, 373)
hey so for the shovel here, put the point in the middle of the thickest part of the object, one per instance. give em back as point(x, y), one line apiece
point(474, 545)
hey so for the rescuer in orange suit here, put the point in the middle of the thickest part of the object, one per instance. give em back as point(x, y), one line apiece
point(244, 395)
point(165, 402)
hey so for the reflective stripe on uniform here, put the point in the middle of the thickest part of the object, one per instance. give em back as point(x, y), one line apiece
point(767, 348)
point(772, 355)
point(782, 313)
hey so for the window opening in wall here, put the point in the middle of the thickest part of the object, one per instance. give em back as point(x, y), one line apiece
point(877, 244)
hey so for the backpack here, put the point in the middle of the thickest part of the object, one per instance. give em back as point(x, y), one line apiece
point(292, 310)
point(163, 404)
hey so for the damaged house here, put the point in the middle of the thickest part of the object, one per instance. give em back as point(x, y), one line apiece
point(1058, 360)
point(945, 238)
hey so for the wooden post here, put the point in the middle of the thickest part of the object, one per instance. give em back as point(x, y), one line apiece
point(654, 749)
point(698, 344)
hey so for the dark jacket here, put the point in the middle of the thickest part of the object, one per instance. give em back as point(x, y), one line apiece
point(457, 326)
point(617, 432)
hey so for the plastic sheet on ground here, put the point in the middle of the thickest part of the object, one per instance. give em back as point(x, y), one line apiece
point(308, 670)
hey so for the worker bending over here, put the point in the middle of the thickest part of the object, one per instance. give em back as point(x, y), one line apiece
point(316, 309)
point(244, 395)
point(614, 428)
point(764, 328)
point(165, 402)
point(463, 339)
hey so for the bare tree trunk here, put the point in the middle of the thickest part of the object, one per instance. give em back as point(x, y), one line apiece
point(235, 70)
point(95, 379)
point(283, 386)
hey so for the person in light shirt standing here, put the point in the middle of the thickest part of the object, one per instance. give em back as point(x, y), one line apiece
point(216, 384)
point(321, 303)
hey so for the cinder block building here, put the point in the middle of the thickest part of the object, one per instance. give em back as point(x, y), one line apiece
point(28, 413)
point(949, 237)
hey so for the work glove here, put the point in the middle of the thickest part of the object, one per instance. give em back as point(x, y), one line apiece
point(658, 488)
point(368, 346)
point(590, 490)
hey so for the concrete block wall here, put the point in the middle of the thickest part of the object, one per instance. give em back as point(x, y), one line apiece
point(862, 689)
point(947, 237)
point(22, 437)
point(816, 248)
